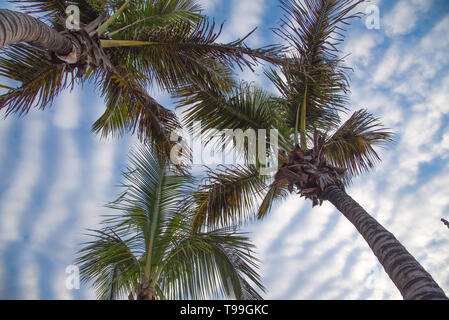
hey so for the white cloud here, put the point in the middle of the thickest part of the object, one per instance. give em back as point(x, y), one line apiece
point(18, 195)
point(361, 48)
point(5, 126)
point(275, 222)
point(67, 113)
point(245, 16)
point(29, 277)
point(209, 5)
point(401, 20)
point(387, 68)
point(60, 192)
point(404, 16)
point(100, 182)
point(55, 212)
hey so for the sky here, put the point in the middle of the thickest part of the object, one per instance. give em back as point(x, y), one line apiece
point(55, 175)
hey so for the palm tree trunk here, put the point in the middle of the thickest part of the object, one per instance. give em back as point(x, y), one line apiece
point(145, 291)
point(413, 282)
point(17, 27)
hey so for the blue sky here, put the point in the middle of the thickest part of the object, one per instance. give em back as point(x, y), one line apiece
point(55, 175)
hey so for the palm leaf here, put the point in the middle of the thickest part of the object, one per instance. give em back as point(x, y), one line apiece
point(276, 192)
point(242, 111)
point(146, 16)
point(110, 263)
point(187, 51)
point(227, 195)
point(130, 109)
point(40, 78)
point(314, 74)
point(217, 262)
point(352, 145)
point(313, 27)
point(320, 113)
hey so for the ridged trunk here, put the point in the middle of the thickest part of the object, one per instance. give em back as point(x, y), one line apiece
point(413, 282)
point(18, 27)
point(145, 291)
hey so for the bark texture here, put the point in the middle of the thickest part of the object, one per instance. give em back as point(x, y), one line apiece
point(78, 48)
point(145, 291)
point(413, 282)
point(16, 26)
point(309, 172)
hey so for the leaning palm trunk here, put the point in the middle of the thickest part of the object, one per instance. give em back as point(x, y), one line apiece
point(80, 48)
point(314, 178)
point(17, 27)
point(413, 282)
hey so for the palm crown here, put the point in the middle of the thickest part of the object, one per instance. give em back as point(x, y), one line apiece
point(313, 84)
point(151, 248)
point(165, 43)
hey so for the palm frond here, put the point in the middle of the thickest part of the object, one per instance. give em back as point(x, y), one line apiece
point(237, 263)
point(277, 191)
point(186, 51)
point(220, 262)
point(314, 27)
point(130, 109)
point(245, 107)
point(320, 112)
point(146, 16)
point(151, 198)
point(40, 78)
point(149, 185)
point(314, 72)
point(239, 115)
point(109, 262)
point(227, 196)
point(352, 144)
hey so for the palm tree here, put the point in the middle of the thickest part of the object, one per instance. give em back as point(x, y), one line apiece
point(123, 47)
point(150, 249)
point(318, 154)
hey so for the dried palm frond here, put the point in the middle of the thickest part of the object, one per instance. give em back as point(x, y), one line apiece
point(309, 172)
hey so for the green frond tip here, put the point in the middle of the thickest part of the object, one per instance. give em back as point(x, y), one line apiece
point(352, 145)
point(227, 196)
point(111, 20)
